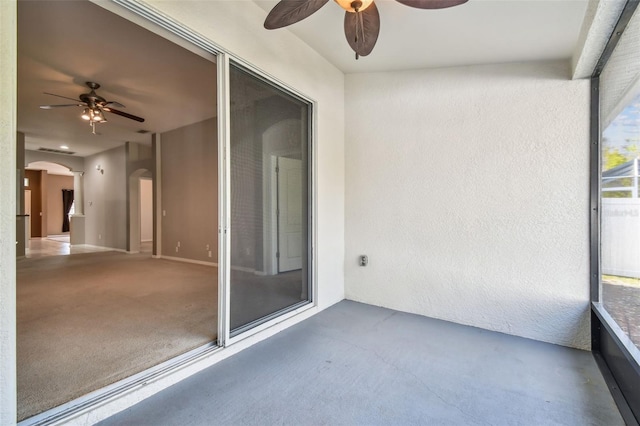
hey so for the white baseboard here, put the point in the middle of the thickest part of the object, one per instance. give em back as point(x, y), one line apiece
point(182, 259)
point(101, 248)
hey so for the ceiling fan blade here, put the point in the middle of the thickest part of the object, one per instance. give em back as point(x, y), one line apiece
point(289, 12)
point(432, 4)
point(59, 106)
point(124, 114)
point(63, 97)
point(362, 29)
point(113, 104)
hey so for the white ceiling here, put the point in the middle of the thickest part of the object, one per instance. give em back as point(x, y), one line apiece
point(477, 32)
point(63, 44)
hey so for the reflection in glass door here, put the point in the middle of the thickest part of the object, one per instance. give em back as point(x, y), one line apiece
point(269, 196)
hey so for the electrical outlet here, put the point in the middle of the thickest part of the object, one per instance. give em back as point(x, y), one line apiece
point(177, 249)
point(364, 260)
point(178, 243)
point(207, 248)
point(164, 212)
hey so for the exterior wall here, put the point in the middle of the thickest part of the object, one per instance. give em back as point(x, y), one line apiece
point(468, 190)
point(8, 88)
point(106, 199)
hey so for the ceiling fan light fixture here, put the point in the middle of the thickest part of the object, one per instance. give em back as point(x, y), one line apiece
point(86, 115)
point(98, 116)
point(351, 5)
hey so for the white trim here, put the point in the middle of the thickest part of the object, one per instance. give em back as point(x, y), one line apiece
point(101, 248)
point(224, 206)
point(271, 323)
point(157, 194)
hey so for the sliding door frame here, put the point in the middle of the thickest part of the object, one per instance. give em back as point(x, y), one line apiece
point(142, 14)
point(275, 318)
point(224, 58)
point(616, 355)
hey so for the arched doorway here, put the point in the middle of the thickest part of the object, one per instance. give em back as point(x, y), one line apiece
point(48, 187)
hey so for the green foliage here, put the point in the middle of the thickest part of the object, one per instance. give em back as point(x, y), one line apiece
point(613, 157)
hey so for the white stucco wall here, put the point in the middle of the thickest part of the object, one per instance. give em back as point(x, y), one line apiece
point(468, 190)
point(7, 212)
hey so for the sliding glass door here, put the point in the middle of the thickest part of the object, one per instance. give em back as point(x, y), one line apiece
point(269, 200)
point(616, 208)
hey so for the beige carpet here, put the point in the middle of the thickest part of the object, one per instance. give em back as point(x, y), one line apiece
point(89, 320)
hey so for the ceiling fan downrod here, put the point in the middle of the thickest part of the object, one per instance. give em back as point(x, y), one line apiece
point(356, 5)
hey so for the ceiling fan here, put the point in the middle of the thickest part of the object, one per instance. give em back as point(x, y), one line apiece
point(94, 106)
point(361, 19)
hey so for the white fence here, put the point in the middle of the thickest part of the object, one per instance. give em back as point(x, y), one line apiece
point(620, 237)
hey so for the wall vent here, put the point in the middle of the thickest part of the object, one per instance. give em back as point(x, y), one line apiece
point(56, 151)
point(143, 132)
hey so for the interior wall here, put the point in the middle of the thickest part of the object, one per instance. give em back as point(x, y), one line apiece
point(190, 192)
point(140, 163)
point(105, 194)
point(74, 163)
point(468, 190)
point(55, 185)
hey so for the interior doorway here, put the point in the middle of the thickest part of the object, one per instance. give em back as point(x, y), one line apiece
point(140, 218)
point(146, 214)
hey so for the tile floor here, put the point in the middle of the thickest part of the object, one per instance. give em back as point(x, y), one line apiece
point(58, 245)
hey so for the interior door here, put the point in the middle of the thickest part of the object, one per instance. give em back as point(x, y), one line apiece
point(289, 214)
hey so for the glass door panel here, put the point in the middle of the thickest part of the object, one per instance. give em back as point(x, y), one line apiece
point(269, 196)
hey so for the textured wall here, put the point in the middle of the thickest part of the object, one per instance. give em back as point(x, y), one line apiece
point(7, 212)
point(468, 190)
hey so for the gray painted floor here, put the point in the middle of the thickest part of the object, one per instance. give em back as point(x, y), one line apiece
point(355, 364)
